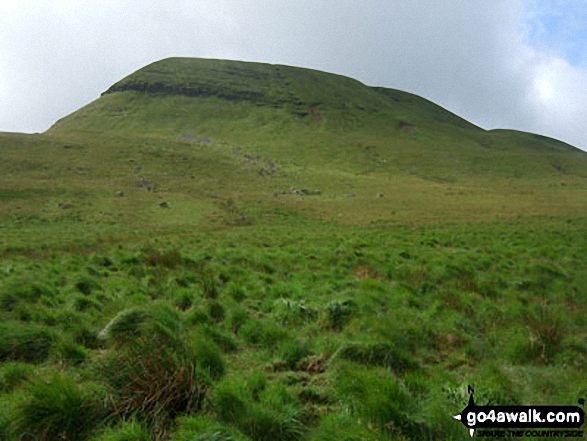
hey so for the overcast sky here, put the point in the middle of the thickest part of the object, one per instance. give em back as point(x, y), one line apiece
point(518, 64)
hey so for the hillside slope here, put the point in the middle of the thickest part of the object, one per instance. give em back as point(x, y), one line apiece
point(199, 134)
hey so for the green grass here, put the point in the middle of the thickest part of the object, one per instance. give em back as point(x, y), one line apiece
point(260, 252)
point(25, 342)
point(437, 306)
point(126, 431)
point(58, 409)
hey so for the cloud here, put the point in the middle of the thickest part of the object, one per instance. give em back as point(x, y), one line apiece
point(558, 27)
point(474, 58)
point(560, 100)
point(57, 56)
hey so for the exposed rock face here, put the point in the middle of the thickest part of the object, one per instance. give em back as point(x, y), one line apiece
point(201, 91)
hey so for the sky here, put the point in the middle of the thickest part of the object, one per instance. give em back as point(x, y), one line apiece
point(517, 64)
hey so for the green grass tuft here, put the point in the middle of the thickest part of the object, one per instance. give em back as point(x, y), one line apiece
point(200, 428)
point(25, 342)
point(14, 374)
point(378, 354)
point(277, 415)
point(58, 408)
point(152, 381)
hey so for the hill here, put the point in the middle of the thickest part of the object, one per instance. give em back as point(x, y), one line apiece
point(210, 130)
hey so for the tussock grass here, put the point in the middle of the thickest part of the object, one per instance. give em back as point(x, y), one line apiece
point(152, 382)
point(267, 333)
point(14, 374)
point(154, 374)
point(68, 352)
point(382, 399)
point(127, 325)
point(198, 428)
point(209, 358)
point(225, 340)
point(25, 342)
point(58, 408)
point(293, 366)
point(277, 415)
point(377, 354)
point(292, 352)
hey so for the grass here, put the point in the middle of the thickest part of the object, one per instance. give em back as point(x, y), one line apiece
point(317, 271)
point(25, 342)
point(197, 428)
point(420, 309)
point(58, 409)
point(126, 431)
point(274, 414)
point(153, 373)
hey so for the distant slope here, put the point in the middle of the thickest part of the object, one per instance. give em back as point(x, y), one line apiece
point(215, 138)
point(532, 140)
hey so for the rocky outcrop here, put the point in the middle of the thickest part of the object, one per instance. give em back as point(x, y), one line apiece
point(226, 91)
point(193, 91)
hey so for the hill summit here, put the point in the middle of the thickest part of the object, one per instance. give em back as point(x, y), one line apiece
point(304, 94)
point(236, 91)
point(295, 89)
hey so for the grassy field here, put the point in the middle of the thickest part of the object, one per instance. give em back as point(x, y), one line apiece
point(217, 250)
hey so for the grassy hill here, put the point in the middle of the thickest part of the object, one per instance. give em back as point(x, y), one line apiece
point(210, 130)
point(321, 259)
